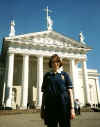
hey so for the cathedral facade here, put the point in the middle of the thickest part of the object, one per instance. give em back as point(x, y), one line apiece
point(26, 58)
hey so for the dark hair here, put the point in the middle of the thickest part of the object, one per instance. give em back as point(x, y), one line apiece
point(57, 59)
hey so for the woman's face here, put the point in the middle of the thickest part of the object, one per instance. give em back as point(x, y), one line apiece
point(55, 65)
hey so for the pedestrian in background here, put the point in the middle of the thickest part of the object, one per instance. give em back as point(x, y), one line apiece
point(77, 106)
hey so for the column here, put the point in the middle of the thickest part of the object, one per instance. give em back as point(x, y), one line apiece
point(25, 72)
point(5, 82)
point(39, 80)
point(9, 85)
point(98, 89)
point(3, 96)
point(74, 74)
point(85, 81)
point(77, 87)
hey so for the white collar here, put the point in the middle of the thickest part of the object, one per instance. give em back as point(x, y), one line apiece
point(60, 69)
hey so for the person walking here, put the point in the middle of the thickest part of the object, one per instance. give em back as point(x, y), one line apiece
point(57, 100)
point(77, 107)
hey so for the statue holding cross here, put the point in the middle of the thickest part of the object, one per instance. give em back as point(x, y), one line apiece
point(49, 20)
point(82, 38)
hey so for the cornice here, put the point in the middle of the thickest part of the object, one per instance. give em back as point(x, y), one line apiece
point(47, 53)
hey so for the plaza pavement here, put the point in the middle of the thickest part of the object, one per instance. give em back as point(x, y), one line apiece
point(86, 119)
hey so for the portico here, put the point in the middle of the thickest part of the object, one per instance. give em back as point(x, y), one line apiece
point(40, 58)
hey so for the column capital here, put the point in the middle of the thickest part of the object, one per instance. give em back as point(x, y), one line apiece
point(10, 53)
point(77, 61)
point(25, 54)
point(39, 56)
point(71, 59)
point(84, 60)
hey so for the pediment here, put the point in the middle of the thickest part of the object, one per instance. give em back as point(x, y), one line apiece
point(48, 39)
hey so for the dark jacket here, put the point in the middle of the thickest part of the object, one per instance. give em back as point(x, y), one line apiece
point(55, 98)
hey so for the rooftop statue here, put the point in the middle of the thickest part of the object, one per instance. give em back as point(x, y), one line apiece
point(12, 28)
point(49, 20)
point(50, 23)
point(82, 38)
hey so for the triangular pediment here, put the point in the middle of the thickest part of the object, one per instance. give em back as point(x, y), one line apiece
point(49, 39)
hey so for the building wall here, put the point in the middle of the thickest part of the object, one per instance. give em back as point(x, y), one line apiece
point(17, 76)
point(32, 89)
point(93, 96)
point(16, 96)
point(93, 90)
point(17, 79)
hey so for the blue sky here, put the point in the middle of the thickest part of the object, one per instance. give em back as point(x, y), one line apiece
point(69, 16)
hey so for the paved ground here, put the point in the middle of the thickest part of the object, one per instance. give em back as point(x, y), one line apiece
point(87, 119)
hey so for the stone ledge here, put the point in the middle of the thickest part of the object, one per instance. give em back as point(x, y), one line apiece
point(88, 109)
point(11, 112)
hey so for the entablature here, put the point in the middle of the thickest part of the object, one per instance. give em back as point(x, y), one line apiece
point(47, 53)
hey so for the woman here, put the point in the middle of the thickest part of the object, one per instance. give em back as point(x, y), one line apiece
point(57, 101)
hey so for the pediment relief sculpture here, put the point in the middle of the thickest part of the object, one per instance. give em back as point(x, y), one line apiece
point(48, 39)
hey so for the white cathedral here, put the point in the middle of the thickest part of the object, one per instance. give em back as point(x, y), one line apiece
point(24, 61)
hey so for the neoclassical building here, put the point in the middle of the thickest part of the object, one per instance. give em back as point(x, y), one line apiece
point(26, 61)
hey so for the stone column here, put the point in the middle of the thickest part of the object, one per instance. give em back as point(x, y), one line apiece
point(9, 82)
point(98, 89)
point(85, 81)
point(77, 88)
point(25, 72)
point(5, 82)
point(74, 74)
point(39, 80)
point(3, 96)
